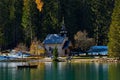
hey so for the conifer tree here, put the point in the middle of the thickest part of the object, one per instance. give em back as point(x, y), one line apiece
point(55, 54)
point(101, 18)
point(50, 21)
point(15, 16)
point(26, 21)
point(4, 22)
point(29, 20)
point(18, 31)
point(1, 39)
point(114, 33)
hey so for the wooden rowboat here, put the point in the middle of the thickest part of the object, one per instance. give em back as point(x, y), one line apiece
point(27, 66)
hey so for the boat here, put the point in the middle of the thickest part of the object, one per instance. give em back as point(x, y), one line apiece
point(26, 66)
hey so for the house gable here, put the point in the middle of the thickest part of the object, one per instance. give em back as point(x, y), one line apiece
point(53, 39)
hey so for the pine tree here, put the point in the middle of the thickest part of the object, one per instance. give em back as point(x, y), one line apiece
point(101, 18)
point(10, 22)
point(114, 33)
point(1, 38)
point(16, 22)
point(50, 21)
point(4, 22)
point(55, 54)
point(26, 21)
point(15, 30)
point(29, 20)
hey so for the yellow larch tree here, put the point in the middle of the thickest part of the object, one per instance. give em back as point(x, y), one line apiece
point(39, 4)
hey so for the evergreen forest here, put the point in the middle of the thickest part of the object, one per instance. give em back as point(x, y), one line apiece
point(23, 20)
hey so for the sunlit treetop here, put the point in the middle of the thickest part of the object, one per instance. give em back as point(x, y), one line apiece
point(39, 4)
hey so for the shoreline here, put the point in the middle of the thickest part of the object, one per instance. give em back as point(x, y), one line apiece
point(99, 60)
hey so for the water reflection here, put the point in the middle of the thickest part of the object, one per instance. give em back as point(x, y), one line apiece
point(8, 70)
point(61, 71)
point(114, 71)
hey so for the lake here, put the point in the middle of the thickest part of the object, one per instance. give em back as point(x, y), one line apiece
point(61, 71)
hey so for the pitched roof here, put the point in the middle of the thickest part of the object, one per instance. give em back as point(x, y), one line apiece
point(103, 50)
point(98, 48)
point(53, 39)
point(66, 45)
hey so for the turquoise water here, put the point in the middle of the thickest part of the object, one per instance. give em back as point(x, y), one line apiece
point(61, 71)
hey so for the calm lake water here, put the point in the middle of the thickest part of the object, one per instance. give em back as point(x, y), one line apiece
point(61, 71)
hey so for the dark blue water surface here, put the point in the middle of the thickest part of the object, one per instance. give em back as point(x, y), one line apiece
point(61, 71)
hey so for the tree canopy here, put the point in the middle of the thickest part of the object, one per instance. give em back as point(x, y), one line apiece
point(23, 20)
point(114, 33)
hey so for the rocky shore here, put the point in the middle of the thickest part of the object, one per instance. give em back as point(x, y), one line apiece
point(106, 60)
point(63, 59)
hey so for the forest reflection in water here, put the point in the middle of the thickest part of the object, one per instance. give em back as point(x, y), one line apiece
point(61, 71)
